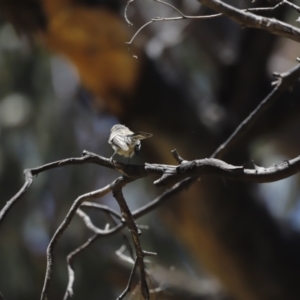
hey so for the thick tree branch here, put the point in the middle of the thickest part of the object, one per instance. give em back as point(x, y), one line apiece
point(172, 174)
point(200, 167)
point(249, 19)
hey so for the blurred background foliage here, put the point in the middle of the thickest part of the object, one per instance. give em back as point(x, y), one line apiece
point(66, 76)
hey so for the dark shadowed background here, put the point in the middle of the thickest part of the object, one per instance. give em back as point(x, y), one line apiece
point(67, 76)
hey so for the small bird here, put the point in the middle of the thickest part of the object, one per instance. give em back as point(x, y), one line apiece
point(125, 142)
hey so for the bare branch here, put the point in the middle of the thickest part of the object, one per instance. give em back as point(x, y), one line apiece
point(249, 19)
point(135, 232)
point(129, 284)
point(281, 3)
point(172, 6)
point(176, 156)
point(125, 12)
point(214, 166)
point(182, 14)
point(89, 224)
point(170, 174)
point(286, 81)
point(109, 212)
point(177, 188)
point(242, 16)
point(9, 204)
point(63, 226)
point(140, 29)
point(142, 211)
point(101, 207)
point(122, 256)
point(98, 232)
point(87, 158)
point(160, 19)
point(70, 259)
point(201, 167)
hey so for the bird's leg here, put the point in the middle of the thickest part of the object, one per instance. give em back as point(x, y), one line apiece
point(111, 159)
point(128, 161)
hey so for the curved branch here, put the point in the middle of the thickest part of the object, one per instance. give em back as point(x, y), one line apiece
point(133, 171)
point(9, 204)
point(125, 12)
point(102, 207)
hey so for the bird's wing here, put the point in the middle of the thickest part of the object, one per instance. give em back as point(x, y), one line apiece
point(119, 141)
point(140, 136)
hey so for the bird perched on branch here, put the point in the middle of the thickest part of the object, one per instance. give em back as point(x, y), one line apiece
point(125, 142)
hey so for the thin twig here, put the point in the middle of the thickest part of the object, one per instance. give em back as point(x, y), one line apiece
point(125, 238)
point(129, 284)
point(9, 204)
point(125, 12)
point(110, 213)
point(88, 222)
point(70, 258)
point(176, 156)
point(160, 19)
point(138, 31)
point(124, 257)
point(281, 3)
point(103, 208)
point(182, 14)
point(172, 6)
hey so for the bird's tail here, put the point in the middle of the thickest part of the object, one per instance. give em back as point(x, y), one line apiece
point(140, 136)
